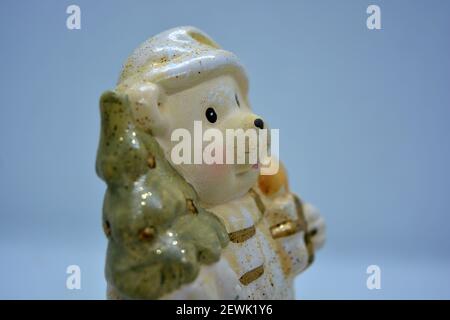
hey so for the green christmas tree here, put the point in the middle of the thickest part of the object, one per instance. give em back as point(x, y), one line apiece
point(158, 236)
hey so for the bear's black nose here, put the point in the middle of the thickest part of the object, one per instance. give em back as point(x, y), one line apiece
point(259, 123)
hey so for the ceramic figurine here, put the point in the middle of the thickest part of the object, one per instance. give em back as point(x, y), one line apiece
point(193, 231)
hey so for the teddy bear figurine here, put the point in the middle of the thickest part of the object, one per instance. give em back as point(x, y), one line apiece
point(180, 230)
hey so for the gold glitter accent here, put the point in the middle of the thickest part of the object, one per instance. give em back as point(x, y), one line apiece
point(284, 229)
point(252, 275)
point(151, 162)
point(147, 234)
point(242, 235)
point(191, 206)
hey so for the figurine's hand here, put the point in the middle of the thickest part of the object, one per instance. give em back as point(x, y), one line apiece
point(316, 225)
point(205, 232)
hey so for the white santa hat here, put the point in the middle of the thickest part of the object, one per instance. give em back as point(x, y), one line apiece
point(181, 57)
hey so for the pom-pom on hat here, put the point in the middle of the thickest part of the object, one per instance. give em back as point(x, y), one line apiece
point(181, 57)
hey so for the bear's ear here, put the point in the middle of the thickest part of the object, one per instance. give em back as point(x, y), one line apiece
point(143, 99)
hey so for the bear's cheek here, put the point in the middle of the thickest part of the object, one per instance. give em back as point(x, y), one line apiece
point(215, 171)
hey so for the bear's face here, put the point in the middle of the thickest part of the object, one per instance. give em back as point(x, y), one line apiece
point(216, 103)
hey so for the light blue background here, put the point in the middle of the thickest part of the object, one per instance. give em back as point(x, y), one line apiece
point(364, 118)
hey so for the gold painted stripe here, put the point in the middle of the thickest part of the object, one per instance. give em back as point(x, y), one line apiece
point(300, 213)
point(285, 228)
point(308, 235)
point(258, 200)
point(242, 235)
point(252, 275)
point(310, 248)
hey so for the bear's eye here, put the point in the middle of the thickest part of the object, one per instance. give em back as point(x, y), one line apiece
point(211, 115)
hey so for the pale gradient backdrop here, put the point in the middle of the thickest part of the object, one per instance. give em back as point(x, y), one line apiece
point(363, 117)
